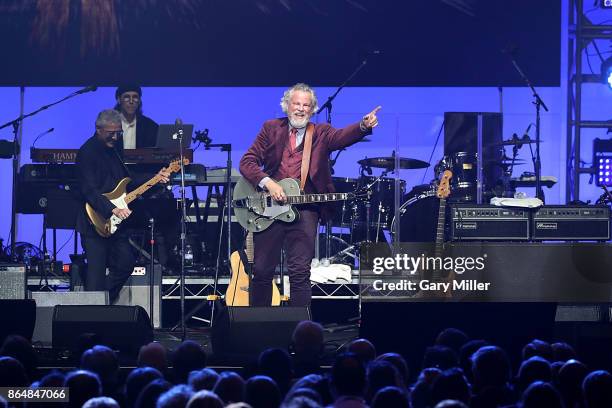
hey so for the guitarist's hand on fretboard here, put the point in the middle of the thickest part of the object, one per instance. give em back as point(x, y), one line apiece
point(164, 175)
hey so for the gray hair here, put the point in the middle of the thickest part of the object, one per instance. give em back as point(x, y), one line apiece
point(284, 103)
point(108, 116)
point(101, 402)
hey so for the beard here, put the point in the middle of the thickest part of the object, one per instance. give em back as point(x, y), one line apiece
point(298, 122)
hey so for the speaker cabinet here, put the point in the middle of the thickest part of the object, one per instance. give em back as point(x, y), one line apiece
point(46, 301)
point(244, 332)
point(17, 316)
point(136, 292)
point(123, 328)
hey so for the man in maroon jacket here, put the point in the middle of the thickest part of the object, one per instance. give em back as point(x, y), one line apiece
point(277, 154)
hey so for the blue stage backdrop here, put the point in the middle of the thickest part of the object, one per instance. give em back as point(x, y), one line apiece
point(410, 120)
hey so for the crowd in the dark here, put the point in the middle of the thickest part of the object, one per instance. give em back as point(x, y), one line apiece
point(456, 372)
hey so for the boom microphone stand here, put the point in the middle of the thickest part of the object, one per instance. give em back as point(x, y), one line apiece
point(538, 102)
point(327, 106)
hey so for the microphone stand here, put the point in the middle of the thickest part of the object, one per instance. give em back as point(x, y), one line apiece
point(225, 147)
point(16, 124)
point(179, 135)
point(327, 106)
point(539, 103)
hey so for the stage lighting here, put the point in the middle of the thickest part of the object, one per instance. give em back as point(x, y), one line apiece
point(602, 161)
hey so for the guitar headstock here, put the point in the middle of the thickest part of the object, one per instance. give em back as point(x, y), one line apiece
point(444, 184)
point(175, 165)
point(605, 198)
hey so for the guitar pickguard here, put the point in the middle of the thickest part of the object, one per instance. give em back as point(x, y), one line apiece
point(275, 209)
point(114, 221)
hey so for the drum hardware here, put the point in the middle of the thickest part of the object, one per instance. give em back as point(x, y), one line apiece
point(515, 141)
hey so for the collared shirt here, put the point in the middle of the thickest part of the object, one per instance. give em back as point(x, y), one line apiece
point(129, 133)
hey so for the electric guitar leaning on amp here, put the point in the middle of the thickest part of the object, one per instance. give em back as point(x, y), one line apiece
point(106, 227)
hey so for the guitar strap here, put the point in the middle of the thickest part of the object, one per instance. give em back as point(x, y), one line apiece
point(306, 155)
point(245, 262)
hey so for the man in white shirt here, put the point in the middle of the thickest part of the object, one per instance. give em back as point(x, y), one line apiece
point(138, 130)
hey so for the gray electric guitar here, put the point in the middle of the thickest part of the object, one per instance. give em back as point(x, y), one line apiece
point(256, 210)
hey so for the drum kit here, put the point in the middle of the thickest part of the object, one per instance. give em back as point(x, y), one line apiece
point(373, 219)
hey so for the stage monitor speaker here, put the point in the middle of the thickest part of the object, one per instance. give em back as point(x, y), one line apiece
point(135, 292)
point(17, 316)
point(244, 332)
point(46, 301)
point(13, 281)
point(122, 328)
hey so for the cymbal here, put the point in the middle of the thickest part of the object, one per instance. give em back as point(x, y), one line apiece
point(389, 163)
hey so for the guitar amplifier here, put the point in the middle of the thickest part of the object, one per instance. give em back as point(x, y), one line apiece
point(13, 281)
point(563, 222)
point(488, 223)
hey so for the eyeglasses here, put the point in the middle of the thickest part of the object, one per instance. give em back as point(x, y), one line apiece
point(127, 98)
point(117, 133)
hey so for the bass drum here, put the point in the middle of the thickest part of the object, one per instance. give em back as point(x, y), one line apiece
point(419, 218)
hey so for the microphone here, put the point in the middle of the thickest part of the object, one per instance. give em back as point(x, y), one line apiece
point(41, 135)
point(178, 129)
point(526, 134)
point(87, 89)
point(45, 132)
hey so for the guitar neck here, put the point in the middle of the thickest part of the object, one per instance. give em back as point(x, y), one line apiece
point(316, 198)
point(143, 188)
point(440, 226)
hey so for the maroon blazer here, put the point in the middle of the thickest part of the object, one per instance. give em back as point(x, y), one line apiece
point(264, 156)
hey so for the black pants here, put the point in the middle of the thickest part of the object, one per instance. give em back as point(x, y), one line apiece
point(116, 254)
point(299, 241)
